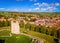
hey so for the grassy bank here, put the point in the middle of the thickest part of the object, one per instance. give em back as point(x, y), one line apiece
point(49, 39)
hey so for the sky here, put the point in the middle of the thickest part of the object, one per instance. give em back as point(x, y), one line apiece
point(30, 5)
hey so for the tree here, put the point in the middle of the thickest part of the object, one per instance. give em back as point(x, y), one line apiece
point(22, 24)
point(36, 28)
point(58, 33)
point(1, 24)
point(54, 31)
point(32, 27)
point(32, 20)
point(28, 26)
point(48, 31)
point(42, 29)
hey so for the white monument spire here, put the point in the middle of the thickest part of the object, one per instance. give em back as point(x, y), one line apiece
point(15, 27)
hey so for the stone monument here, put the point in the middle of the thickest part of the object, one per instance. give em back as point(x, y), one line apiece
point(15, 27)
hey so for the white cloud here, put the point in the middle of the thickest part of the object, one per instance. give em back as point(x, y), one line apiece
point(37, 8)
point(46, 6)
point(34, 9)
point(30, 10)
point(9, 9)
point(2, 8)
point(36, 3)
point(48, 9)
point(41, 4)
point(51, 8)
point(57, 4)
point(43, 9)
point(15, 9)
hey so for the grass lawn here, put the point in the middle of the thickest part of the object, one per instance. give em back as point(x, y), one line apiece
point(25, 39)
point(16, 39)
point(42, 36)
point(4, 33)
point(49, 39)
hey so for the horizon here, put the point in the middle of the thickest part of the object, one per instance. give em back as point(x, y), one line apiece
point(29, 12)
point(30, 5)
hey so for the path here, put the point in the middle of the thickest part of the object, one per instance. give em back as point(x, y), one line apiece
point(35, 39)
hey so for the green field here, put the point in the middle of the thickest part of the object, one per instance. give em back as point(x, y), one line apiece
point(24, 39)
point(17, 39)
point(5, 35)
point(49, 39)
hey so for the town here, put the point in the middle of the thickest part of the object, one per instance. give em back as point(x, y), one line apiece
point(36, 22)
point(29, 21)
point(35, 19)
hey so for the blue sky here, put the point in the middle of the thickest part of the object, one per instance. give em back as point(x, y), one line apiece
point(30, 5)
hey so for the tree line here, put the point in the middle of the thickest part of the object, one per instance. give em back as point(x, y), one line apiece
point(4, 23)
point(52, 31)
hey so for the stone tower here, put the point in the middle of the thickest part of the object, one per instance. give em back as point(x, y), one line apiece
point(15, 27)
